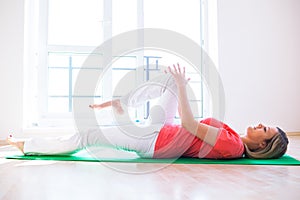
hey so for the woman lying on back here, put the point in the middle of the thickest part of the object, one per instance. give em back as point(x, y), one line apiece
point(208, 138)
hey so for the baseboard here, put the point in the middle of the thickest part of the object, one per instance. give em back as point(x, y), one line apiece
point(293, 133)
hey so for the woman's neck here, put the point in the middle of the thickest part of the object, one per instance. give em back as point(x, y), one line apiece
point(249, 143)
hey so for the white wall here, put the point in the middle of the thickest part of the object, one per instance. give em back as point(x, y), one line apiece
point(11, 64)
point(259, 62)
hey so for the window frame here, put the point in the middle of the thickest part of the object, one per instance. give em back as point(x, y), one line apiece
point(45, 119)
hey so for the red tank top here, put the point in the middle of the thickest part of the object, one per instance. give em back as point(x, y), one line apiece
point(174, 141)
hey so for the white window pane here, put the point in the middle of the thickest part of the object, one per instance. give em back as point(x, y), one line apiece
point(196, 107)
point(151, 65)
point(177, 15)
point(58, 105)
point(194, 91)
point(98, 90)
point(125, 62)
point(124, 16)
point(58, 82)
point(93, 60)
point(58, 60)
point(78, 59)
point(84, 101)
point(195, 77)
point(153, 74)
point(123, 75)
point(123, 81)
point(75, 22)
point(165, 59)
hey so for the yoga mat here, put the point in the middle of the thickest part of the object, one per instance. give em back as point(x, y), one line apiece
point(85, 156)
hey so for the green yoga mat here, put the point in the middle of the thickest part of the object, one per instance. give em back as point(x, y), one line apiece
point(85, 156)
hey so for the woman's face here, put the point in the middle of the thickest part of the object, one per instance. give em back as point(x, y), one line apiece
point(261, 133)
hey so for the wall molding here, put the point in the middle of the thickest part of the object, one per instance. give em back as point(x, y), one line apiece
point(293, 133)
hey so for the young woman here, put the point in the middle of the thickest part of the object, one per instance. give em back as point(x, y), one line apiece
point(208, 138)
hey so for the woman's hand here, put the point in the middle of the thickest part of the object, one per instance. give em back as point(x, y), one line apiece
point(178, 75)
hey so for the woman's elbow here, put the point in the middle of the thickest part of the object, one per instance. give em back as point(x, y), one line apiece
point(190, 125)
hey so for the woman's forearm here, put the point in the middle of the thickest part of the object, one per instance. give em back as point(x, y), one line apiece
point(204, 132)
point(187, 118)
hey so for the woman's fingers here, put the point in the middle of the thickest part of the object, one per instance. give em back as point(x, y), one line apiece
point(178, 67)
point(178, 73)
point(175, 70)
point(170, 70)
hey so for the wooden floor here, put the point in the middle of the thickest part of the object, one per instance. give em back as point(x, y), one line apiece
point(85, 180)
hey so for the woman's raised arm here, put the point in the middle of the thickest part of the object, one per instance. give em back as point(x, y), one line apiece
point(205, 132)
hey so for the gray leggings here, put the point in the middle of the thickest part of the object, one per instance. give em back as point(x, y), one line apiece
point(129, 137)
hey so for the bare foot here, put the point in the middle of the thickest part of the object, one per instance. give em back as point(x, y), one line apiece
point(117, 105)
point(19, 144)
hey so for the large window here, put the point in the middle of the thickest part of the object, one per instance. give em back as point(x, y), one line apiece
point(69, 30)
